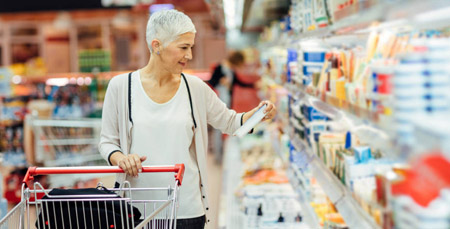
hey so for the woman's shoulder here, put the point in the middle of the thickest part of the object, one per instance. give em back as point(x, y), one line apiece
point(119, 80)
point(194, 80)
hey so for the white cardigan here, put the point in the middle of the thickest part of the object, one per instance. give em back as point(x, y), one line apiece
point(207, 108)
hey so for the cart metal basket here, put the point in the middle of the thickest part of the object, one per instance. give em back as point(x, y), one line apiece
point(34, 211)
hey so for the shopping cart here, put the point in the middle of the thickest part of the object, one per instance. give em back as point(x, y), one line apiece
point(94, 211)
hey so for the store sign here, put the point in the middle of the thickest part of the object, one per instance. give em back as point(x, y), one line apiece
point(5, 82)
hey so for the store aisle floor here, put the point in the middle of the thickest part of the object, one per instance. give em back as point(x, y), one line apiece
point(215, 187)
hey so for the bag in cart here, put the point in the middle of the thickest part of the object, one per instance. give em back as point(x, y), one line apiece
point(72, 208)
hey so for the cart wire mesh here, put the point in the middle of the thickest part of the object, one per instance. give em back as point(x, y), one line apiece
point(116, 209)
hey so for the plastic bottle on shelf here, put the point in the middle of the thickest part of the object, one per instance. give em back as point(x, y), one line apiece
point(259, 215)
point(281, 220)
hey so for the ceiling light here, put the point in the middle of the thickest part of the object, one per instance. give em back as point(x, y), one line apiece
point(16, 79)
point(233, 10)
point(57, 82)
point(122, 19)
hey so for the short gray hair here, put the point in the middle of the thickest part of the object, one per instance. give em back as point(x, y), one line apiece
point(167, 26)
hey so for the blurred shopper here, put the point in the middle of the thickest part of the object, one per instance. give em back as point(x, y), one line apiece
point(245, 97)
point(223, 79)
point(157, 116)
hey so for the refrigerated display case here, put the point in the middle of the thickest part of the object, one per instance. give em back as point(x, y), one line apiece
point(367, 96)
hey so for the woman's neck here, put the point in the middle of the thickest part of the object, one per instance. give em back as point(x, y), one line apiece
point(154, 71)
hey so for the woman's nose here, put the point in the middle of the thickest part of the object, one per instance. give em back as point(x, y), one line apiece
point(188, 55)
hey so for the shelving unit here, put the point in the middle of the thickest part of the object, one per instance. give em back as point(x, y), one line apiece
point(360, 18)
point(340, 196)
point(309, 215)
point(353, 214)
point(231, 213)
point(294, 178)
point(377, 127)
point(371, 126)
point(55, 139)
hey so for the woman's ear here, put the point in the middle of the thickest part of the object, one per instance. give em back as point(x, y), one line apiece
point(156, 46)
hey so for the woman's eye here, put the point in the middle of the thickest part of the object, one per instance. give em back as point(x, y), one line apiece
point(184, 47)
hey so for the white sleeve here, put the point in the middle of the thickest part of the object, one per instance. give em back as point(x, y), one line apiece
point(109, 136)
point(219, 116)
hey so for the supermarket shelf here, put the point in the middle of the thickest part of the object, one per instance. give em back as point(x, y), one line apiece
point(371, 127)
point(41, 78)
point(309, 215)
point(75, 159)
point(359, 18)
point(320, 32)
point(353, 214)
point(85, 122)
point(62, 142)
point(332, 106)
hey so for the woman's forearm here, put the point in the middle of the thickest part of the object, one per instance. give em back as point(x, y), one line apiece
point(246, 116)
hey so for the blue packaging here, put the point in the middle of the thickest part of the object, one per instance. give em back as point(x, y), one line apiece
point(312, 114)
point(291, 152)
point(362, 154)
point(310, 68)
point(291, 57)
point(374, 84)
point(287, 20)
point(314, 56)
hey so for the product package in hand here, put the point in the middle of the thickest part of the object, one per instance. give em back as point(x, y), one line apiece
point(251, 122)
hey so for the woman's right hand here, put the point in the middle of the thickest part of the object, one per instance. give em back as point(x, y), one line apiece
point(131, 163)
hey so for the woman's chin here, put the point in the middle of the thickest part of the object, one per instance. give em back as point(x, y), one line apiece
point(178, 70)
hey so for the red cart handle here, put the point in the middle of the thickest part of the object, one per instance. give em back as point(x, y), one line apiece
point(33, 171)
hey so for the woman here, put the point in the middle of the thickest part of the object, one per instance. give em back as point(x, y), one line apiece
point(157, 116)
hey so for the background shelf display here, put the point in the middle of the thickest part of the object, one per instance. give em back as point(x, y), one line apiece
point(295, 179)
point(309, 214)
point(360, 17)
point(364, 17)
point(340, 196)
point(243, 163)
point(370, 126)
point(65, 142)
point(353, 214)
point(347, 116)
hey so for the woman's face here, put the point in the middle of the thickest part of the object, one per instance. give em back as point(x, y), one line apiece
point(176, 55)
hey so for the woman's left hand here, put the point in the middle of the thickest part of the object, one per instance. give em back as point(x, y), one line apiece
point(270, 111)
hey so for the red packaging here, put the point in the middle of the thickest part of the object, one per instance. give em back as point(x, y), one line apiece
point(423, 183)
